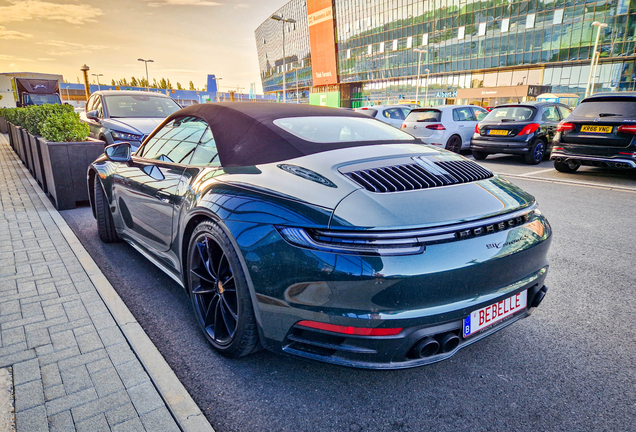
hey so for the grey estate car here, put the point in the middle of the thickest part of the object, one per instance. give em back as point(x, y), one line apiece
point(118, 115)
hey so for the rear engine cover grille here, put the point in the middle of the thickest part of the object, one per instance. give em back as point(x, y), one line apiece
point(413, 176)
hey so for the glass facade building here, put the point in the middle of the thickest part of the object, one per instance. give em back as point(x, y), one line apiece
point(527, 44)
point(269, 45)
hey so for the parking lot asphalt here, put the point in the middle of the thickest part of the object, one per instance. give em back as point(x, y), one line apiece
point(568, 367)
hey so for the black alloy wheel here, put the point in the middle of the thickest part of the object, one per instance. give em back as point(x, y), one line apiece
point(479, 155)
point(105, 224)
point(454, 144)
point(566, 167)
point(219, 292)
point(537, 152)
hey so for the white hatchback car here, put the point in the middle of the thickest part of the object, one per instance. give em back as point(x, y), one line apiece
point(391, 114)
point(449, 126)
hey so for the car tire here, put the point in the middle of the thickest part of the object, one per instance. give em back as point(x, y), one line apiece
point(566, 167)
point(219, 292)
point(480, 155)
point(454, 144)
point(105, 223)
point(537, 152)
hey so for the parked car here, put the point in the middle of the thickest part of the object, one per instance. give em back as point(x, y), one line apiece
point(390, 114)
point(118, 115)
point(325, 234)
point(449, 126)
point(525, 129)
point(599, 132)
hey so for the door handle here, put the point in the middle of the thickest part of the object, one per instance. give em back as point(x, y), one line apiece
point(163, 196)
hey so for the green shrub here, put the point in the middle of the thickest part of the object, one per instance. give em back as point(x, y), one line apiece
point(36, 116)
point(64, 127)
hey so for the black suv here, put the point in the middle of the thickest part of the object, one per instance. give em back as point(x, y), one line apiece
point(524, 129)
point(600, 132)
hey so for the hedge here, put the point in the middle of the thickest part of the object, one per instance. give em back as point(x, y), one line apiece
point(58, 123)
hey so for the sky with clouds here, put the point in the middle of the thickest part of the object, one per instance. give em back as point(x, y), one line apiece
point(187, 39)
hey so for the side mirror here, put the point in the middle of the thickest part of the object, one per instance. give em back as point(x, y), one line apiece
point(119, 152)
point(92, 115)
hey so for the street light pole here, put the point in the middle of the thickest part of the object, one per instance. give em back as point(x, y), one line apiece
point(592, 67)
point(426, 96)
point(147, 79)
point(419, 62)
point(218, 98)
point(98, 75)
point(284, 20)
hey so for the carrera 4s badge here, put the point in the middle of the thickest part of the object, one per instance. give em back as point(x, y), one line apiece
point(507, 243)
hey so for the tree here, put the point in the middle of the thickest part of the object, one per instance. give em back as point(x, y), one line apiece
point(154, 83)
point(78, 81)
point(134, 82)
point(179, 86)
point(113, 82)
point(191, 85)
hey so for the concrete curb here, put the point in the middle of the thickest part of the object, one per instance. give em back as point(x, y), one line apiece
point(183, 408)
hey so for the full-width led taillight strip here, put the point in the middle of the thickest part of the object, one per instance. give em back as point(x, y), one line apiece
point(355, 331)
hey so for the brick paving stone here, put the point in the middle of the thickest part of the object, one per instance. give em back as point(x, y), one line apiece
point(25, 372)
point(132, 425)
point(36, 338)
point(50, 375)
point(73, 369)
point(54, 392)
point(13, 336)
point(76, 379)
point(145, 398)
point(62, 422)
point(159, 420)
point(93, 424)
point(33, 420)
point(28, 395)
point(106, 381)
point(101, 405)
point(70, 401)
point(132, 374)
point(121, 414)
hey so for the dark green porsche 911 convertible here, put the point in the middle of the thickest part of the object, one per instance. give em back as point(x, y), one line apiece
point(323, 233)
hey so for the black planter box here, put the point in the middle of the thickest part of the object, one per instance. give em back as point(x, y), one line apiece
point(4, 128)
point(12, 139)
point(38, 164)
point(26, 143)
point(65, 165)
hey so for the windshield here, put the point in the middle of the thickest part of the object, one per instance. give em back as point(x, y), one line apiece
point(341, 129)
point(606, 109)
point(511, 114)
point(140, 106)
point(41, 99)
point(430, 116)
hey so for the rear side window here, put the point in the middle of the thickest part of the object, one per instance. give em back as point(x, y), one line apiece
point(367, 112)
point(565, 112)
point(463, 114)
point(430, 116)
point(394, 114)
point(511, 114)
point(606, 109)
point(550, 114)
point(480, 113)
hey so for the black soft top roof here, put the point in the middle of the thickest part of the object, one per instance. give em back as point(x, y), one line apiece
point(245, 133)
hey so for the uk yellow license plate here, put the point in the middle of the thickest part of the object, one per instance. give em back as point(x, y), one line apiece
point(497, 132)
point(596, 129)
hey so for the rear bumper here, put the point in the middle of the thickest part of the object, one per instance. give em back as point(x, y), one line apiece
point(509, 147)
point(427, 294)
point(617, 161)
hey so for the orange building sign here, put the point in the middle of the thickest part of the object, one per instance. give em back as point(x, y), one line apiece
point(322, 41)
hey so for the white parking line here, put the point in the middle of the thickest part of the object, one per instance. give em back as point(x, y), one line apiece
point(571, 182)
point(536, 172)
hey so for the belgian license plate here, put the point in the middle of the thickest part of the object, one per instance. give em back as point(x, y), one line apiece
point(596, 129)
point(489, 315)
point(497, 132)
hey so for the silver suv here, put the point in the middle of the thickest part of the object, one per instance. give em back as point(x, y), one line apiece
point(448, 126)
point(117, 115)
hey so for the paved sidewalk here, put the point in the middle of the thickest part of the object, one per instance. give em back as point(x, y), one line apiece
point(73, 366)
